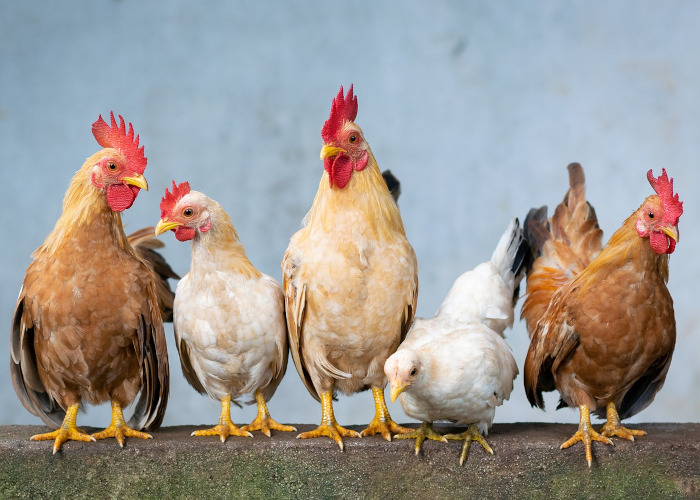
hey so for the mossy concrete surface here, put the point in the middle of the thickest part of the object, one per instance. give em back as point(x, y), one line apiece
point(527, 463)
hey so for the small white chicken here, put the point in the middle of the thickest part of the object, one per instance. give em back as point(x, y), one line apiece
point(456, 366)
point(229, 321)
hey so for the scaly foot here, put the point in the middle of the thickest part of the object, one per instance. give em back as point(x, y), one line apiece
point(382, 422)
point(333, 430)
point(613, 426)
point(471, 434)
point(329, 427)
point(67, 431)
point(118, 429)
point(225, 427)
point(223, 430)
point(586, 434)
point(425, 431)
point(265, 425)
point(263, 422)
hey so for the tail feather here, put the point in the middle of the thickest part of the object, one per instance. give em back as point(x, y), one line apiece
point(512, 256)
point(393, 184)
point(145, 243)
point(561, 246)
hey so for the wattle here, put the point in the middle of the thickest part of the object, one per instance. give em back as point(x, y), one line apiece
point(121, 196)
point(183, 233)
point(339, 170)
point(661, 243)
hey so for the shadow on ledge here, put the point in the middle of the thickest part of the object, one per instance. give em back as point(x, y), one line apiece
point(527, 463)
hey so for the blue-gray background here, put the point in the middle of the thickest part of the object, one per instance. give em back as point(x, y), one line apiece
point(476, 106)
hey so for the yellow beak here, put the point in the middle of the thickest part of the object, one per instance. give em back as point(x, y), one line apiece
point(396, 389)
point(166, 225)
point(671, 232)
point(328, 151)
point(138, 180)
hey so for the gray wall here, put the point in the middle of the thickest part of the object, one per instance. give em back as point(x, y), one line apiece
point(477, 106)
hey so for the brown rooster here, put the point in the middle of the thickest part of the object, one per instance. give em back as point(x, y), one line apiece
point(350, 278)
point(601, 321)
point(87, 326)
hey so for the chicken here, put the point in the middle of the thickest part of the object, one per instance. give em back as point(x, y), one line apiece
point(350, 278)
point(230, 328)
point(456, 366)
point(87, 327)
point(601, 322)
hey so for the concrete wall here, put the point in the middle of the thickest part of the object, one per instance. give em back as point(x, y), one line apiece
point(477, 106)
point(526, 463)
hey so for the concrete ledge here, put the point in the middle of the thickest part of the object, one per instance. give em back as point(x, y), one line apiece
point(527, 464)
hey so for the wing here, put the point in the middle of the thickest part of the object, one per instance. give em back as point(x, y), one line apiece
point(410, 310)
point(153, 359)
point(295, 301)
point(23, 369)
point(642, 393)
point(553, 341)
point(562, 246)
point(145, 243)
point(187, 368)
point(279, 367)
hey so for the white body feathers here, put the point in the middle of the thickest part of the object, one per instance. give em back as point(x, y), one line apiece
point(464, 368)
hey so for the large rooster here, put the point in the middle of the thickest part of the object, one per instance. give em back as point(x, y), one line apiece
point(350, 278)
point(87, 327)
point(601, 321)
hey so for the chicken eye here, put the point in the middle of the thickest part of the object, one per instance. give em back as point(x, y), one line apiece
point(352, 138)
point(413, 371)
point(188, 212)
point(650, 215)
point(111, 166)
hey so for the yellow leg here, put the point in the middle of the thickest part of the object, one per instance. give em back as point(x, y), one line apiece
point(586, 434)
point(118, 428)
point(613, 426)
point(424, 431)
point(67, 431)
point(329, 427)
point(263, 422)
point(382, 422)
point(225, 427)
point(471, 434)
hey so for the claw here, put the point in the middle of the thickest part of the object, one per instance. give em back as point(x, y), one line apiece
point(225, 427)
point(334, 431)
point(586, 434)
point(118, 429)
point(223, 431)
point(382, 422)
point(613, 426)
point(67, 431)
point(263, 422)
point(471, 434)
point(425, 431)
point(329, 427)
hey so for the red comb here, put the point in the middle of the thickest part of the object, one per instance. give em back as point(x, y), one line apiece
point(342, 108)
point(673, 208)
point(170, 199)
point(117, 137)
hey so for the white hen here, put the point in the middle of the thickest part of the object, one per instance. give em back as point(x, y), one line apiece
point(229, 319)
point(456, 366)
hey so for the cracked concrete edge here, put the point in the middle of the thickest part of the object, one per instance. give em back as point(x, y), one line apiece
point(527, 463)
